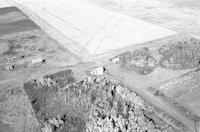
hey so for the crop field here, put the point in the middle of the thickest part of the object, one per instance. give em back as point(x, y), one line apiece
point(149, 86)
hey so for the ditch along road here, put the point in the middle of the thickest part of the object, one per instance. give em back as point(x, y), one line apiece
point(127, 80)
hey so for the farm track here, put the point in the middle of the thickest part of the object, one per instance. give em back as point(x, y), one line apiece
point(125, 78)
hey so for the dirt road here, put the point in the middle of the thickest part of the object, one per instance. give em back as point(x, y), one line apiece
point(126, 79)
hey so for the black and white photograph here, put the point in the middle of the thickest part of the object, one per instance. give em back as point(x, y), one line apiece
point(99, 65)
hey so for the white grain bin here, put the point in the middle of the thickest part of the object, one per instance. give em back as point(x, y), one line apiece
point(36, 61)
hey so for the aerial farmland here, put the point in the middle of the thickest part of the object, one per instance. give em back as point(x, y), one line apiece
point(99, 66)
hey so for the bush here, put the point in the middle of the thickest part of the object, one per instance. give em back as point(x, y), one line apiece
point(139, 60)
point(181, 55)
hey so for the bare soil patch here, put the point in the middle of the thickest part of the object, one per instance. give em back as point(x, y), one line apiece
point(184, 90)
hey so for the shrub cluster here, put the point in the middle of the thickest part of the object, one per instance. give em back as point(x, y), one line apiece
point(99, 105)
point(139, 60)
point(183, 54)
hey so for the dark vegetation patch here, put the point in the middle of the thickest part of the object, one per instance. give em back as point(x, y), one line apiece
point(43, 93)
point(18, 44)
point(183, 54)
point(8, 10)
point(15, 26)
point(139, 60)
point(5, 127)
point(62, 108)
point(94, 104)
point(16, 48)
